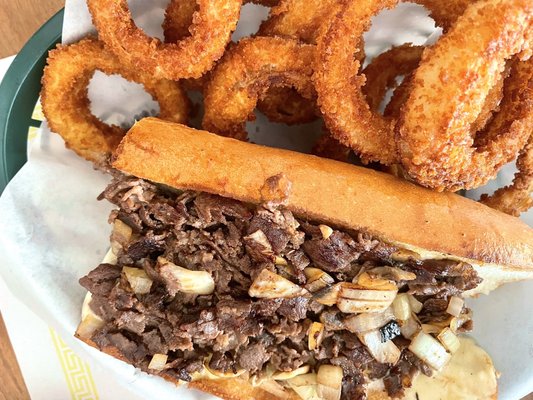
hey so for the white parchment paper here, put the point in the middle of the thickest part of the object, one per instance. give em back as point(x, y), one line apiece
point(53, 231)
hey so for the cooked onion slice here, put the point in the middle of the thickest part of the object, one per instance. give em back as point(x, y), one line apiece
point(315, 335)
point(140, 282)
point(329, 379)
point(449, 340)
point(326, 231)
point(179, 279)
point(404, 255)
point(305, 386)
point(385, 353)
point(280, 261)
point(455, 306)
point(429, 350)
point(402, 307)
point(259, 237)
point(368, 321)
point(393, 273)
point(269, 285)
point(158, 362)
point(368, 281)
point(416, 306)
point(90, 324)
point(429, 328)
point(355, 298)
point(304, 380)
point(317, 279)
point(329, 295)
point(120, 235)
point(283, 376)
point(409, 327)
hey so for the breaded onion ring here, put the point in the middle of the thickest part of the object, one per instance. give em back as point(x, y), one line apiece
point(244, 75)
point(280, 104)
point(339, 85)
point(329, 147)
point(299, 19)
point(190, 57)
point(66, 106)
point(516, 198)
point(445, 12)
point(491, 105)
point(178, 19)
point(383, 70)
point(286, 105)
point(447, 94)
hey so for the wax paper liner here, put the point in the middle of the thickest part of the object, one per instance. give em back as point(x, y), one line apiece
point(53, 231)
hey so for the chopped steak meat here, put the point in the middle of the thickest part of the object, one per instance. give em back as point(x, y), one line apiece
point(233, 242)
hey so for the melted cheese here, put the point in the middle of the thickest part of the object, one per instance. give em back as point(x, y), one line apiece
point(469, 375)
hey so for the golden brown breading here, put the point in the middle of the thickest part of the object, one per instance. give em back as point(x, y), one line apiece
point(67, 108)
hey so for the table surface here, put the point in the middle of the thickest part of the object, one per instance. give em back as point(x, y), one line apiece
point(19, 19)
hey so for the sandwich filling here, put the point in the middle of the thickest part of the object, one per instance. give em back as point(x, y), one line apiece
point(207, 283)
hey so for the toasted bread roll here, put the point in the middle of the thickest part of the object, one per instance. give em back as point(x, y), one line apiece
point(434, 225)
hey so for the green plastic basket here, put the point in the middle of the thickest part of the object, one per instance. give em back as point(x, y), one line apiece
point(19, 92)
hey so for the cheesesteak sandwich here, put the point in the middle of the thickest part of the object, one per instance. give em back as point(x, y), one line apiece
point(258, 273)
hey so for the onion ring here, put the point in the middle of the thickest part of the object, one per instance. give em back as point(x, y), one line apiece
point(244, 75)
point(328, 147)
point(179, 17)
point(299, 19)
point(66, 106)
point(433, 131)
point(383, 70)
point(188, 58)
point(339, 85)
point(515, 198)
point(445, 12)
point(283, 105)
point(286, 105)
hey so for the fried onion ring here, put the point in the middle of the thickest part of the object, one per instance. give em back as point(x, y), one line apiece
point(178, 19)
point(244, 75)
point(339, 85)
point(283, 105)
point(190, 57)
point(433, 131)
point(329, 147)
point(286, 105)
point(66, 106)
point(299, 19)
point(516, 198)
point(383, 70)
point(445, 12)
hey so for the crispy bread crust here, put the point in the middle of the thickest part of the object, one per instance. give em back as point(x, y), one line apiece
point(237, 389)
point(325, 190)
